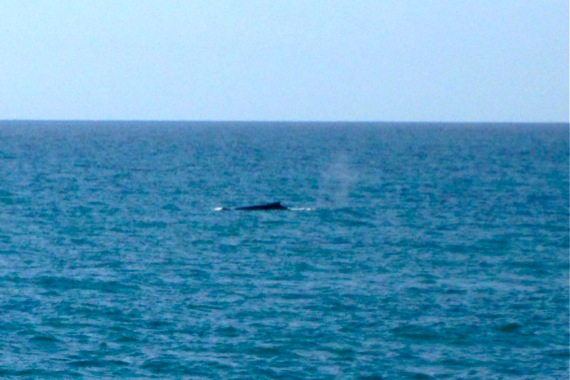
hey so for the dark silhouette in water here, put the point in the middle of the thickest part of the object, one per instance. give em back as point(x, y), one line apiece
point(264, 207)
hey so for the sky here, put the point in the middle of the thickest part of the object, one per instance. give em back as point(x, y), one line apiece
point(285, 60)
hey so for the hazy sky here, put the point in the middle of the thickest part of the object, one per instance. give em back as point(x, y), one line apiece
point(386, 60)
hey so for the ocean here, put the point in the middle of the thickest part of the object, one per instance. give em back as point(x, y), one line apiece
point(410, 250)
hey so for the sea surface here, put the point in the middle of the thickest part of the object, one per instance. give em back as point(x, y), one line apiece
point(411, 251)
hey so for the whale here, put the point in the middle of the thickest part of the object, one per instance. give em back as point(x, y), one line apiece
point(264, 207)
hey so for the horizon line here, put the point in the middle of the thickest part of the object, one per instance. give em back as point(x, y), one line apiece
point(285, 121)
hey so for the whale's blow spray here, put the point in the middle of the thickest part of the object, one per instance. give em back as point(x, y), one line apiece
point(336, 183)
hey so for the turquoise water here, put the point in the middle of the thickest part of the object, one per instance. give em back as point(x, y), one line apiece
point(413, 251)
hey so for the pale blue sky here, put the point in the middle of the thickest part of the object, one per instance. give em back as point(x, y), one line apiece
point(386, 60)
